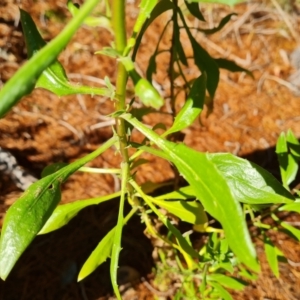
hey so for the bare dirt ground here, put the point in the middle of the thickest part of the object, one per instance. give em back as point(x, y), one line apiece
point(247, 119)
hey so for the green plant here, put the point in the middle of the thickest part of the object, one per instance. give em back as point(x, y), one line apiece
point(226, 187)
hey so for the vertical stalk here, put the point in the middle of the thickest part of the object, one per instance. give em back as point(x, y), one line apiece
point(119, 27)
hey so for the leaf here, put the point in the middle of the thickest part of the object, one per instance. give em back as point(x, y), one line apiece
point(248, 182)
point(203, 61)
point(178, 45)
point(52, 168)
point(64, 213)
point(211, 188)
point(53, 78)
point(101, 21)
point(26, 217)
point(271, 255)
point(188, 211)
point(287, 162)
point(194, 10)
point(222, 292)
point(161, 7)
point(295, 233)
point(291, 207)
point(222, 23)
point(293, 144)
point(100, 254)
point(231, 66)
point(229, 282)
point(23, 82)
point(192, 107)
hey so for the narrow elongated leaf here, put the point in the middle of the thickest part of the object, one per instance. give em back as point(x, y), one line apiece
point(222, 292)
point(53, 78)
point(291, 207)
point(26, 217)
point(100, 254)
point(64, 213)
point(293, 144)
point(294, 231)
point(188, 211)
point(101, 21)
point(231, 66)
point(222, 23)
point(229, 282)
point(287, 162)
point(194, 10)
point(203, 61)
point(271, 255)
point(23, 82)
point(211, 188)
point(178, 45)
point(192, 107)
point(248, 182)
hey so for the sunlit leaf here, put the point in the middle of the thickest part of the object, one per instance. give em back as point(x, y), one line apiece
point(271, 255)
point(227, 2)
point(53, 78)
point(188, 211)
point(66, 212)
point(221, 291)
point(229, 282)
point(192, 107)
point(26, 217)
point(258, 187)
point(23, 82)
point(211, 188)
point(99, 255)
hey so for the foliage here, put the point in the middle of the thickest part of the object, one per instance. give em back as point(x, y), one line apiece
point(228, 189)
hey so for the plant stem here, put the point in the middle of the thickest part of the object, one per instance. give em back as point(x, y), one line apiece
point(119, 27)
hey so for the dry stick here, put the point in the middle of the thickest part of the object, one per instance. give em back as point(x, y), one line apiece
point(286, 20)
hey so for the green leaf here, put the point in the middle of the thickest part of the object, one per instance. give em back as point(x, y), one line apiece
point(211, 188)
point(192, 107)
point(287, 162)
point(222, 23)
point(293, 144)
point(292, 230)
point(101, 21)
point(271, 255)
point(64, 213)
point(231, 66)
point(26, 217)
point(221, 291)
point(258, 187)
point(23, 82)
point(229, 282)
point(100, 254)
point(188, 211)
point(246, 273)
point(194, 10)
point(291, 207)
point(53, 78)
point(52, 168)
